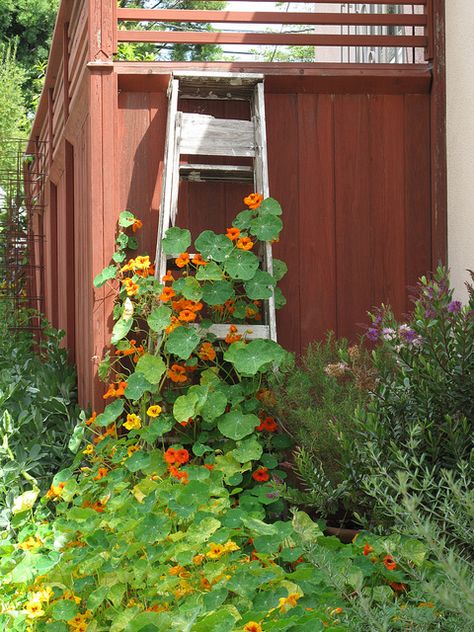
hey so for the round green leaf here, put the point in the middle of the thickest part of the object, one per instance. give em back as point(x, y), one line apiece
point(266, 227)
point(279, 269)
point(110, 414)
point(260, 286)
point(185, 407)
point(248, 450)
point(212, 246)
point(126, 219)
point(235, 425)
point(269, 205)
point(159, 318)
point(214, 406)
point(241, 265)
point(243, 219)
point(251, 358)
point(189, 287)
point(137, 385)
point(211, 272)
point(104, 276)
point(176, 240)
point(182, 342)
point(152, 367)
point(121, 329)
point(64, 610)
point(217, 292)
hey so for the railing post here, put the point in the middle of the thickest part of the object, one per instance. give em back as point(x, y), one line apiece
point(102, 30)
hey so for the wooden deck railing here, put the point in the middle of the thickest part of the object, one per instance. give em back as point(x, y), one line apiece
point(171, 26)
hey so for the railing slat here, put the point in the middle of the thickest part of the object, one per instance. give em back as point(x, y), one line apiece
point(282, 39)
point(270, 17)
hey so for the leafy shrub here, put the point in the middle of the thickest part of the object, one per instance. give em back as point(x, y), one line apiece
point(316, 402)
point(420, 418)
point(37, 412)
point(161, 522)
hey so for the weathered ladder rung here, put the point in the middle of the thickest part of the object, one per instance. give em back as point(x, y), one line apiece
point(217, 85)
point(217, 173)
point(249, 332)
point(205, 135)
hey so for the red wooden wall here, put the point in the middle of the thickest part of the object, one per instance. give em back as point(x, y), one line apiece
point(353, 175)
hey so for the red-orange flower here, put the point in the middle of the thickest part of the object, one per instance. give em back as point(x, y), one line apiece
point(207, 352)
point(136, 225)
point(182, 260)
point(182, 456)
point(186, 315)
point(167, 294)
point(101, 472)
point(229, 305)
point(185, 423)
point(268, 424)
point(168, 278)
point(232, 336)
point(233, 233)
point(390, 563)
point(261, 475)
point(398, 587)
point(115, 390)
point(177, 373)
point(245, 243)
point(91, 419)
point(209, 466)
point(198, 260)
point(253, 200)
point(170, 456)
point(367, 549)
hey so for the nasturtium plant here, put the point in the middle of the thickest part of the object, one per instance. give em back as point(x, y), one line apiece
point(163, 520)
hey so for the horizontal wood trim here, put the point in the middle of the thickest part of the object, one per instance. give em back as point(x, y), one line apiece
point(282, 39)
point(270, 17)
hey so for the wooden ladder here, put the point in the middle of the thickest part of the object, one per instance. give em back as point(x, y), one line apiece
point(204, 135)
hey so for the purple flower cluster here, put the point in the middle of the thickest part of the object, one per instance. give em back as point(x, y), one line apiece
point(454, 307)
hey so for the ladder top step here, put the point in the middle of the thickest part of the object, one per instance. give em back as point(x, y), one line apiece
point(249, 332)
point(217, 85)
point(216, 173)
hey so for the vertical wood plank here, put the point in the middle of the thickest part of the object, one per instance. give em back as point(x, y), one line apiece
point(283, 146)
point(355, 262)
point(418, 186)
point(70, 245)
point(317, 221)
point(386, 223)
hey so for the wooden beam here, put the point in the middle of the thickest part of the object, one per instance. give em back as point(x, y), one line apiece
point(66, 99)
point(281, 39)
point(439, 196)
point(269, 17)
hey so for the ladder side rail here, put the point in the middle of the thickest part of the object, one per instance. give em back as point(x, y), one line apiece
point(175, 170)
point(168, 162)
point(263, 186)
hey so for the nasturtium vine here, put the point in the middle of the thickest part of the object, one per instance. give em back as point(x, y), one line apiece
point(162, 521)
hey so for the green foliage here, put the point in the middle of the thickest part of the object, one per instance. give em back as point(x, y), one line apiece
point(316, 403)
point(12, 107)
point(37, 414)
point(30, 24)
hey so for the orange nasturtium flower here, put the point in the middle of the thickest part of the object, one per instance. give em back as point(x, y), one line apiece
point(173, 325)
point(232, 233)
point(207, 352)
point(101, 472)
point(181, 456)
point(91, 419)
point(253, 626)
point(167, 294)
point(390, 563)
point(261, 475)
point(182, 260)
point(198, 260)
point(177, 373)
point(186, 315)
point(136, 225)
point(367, 549)
point(55, 491)
point(170, 456)
point(253, 200)
point(268, 424)
point(153, 411)
point(245, 243)
point(133, 422)
point(232, 336)
point(215, 551)
point(168, 278)
point(115, 390)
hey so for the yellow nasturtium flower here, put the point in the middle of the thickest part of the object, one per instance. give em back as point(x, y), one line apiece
point(154, 411)
point(133, 422)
